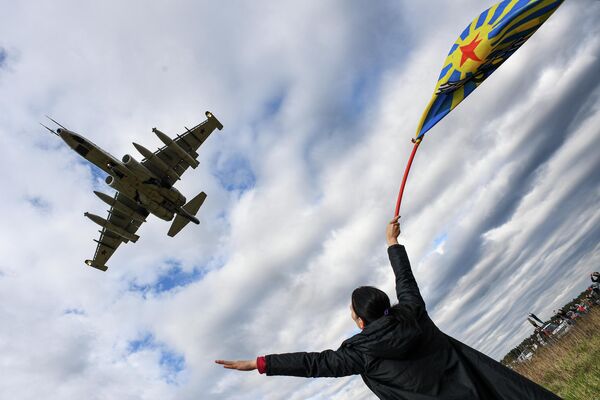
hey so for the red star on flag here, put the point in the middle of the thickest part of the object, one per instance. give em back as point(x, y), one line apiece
point(468, 51)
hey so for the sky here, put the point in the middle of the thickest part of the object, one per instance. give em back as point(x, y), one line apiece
point(319, 101)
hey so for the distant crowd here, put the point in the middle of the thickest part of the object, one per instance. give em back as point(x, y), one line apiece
point(565, 317)
point(561, 322)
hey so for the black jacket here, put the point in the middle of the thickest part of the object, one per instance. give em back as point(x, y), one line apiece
point(410, 358)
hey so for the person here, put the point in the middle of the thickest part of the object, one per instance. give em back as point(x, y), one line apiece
point(594, 294)
point(540, 336)
point(400, 353)
point(564, 317)
point(595, 277)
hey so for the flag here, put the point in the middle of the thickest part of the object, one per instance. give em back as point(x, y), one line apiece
point(483, 46)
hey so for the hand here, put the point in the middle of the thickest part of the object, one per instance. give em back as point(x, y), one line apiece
point(242, 365)
point(393, 231)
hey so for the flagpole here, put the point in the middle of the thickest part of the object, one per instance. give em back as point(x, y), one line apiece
point(406, 171)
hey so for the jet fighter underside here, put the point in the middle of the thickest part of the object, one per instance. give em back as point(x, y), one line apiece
point(142, 187)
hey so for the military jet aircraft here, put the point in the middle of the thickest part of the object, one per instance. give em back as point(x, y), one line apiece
point(144, 187)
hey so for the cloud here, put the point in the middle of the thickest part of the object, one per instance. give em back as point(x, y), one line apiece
point(318, 100)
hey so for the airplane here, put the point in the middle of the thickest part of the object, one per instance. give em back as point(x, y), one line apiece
point(142, 188)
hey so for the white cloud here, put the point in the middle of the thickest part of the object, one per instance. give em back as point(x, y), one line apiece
point(319, 101)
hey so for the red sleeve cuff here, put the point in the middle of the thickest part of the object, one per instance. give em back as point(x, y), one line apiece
point(261, 364)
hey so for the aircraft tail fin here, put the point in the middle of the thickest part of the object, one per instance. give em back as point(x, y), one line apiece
point(190, 208)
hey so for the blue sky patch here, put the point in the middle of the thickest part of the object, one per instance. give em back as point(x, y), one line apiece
point(39, 203)
point(362, 91)
point(273, 105)
point(74, 311)
point(171, 362)
point(173, 278)
point(438, 241)
point(234, 173)
point(144, 342)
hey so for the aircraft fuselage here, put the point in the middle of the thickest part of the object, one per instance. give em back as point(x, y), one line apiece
point(129, 177)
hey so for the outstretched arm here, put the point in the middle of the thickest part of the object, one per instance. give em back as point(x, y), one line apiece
point(406, 285)
point(328, 363)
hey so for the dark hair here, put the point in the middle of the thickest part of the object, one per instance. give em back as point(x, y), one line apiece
point(369, 303)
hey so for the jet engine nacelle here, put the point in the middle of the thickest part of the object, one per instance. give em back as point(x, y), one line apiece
point(138, 169)
point(116, 184)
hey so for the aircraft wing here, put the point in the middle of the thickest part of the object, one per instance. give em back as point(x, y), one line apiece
point(110, 238)
point(172, 162)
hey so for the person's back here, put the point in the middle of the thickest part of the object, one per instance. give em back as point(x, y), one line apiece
point(423, 361)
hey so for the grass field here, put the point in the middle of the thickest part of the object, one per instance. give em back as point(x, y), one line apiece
point(571, 367)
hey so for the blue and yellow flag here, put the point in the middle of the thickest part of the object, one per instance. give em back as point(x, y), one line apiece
point(483, 46)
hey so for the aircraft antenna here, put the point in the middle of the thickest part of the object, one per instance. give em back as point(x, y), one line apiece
point(55, 122)
point(54, 132)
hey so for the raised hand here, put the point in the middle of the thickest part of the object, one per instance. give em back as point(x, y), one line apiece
point(393, 231)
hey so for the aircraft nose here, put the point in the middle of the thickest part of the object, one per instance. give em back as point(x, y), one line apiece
point(64, 133)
